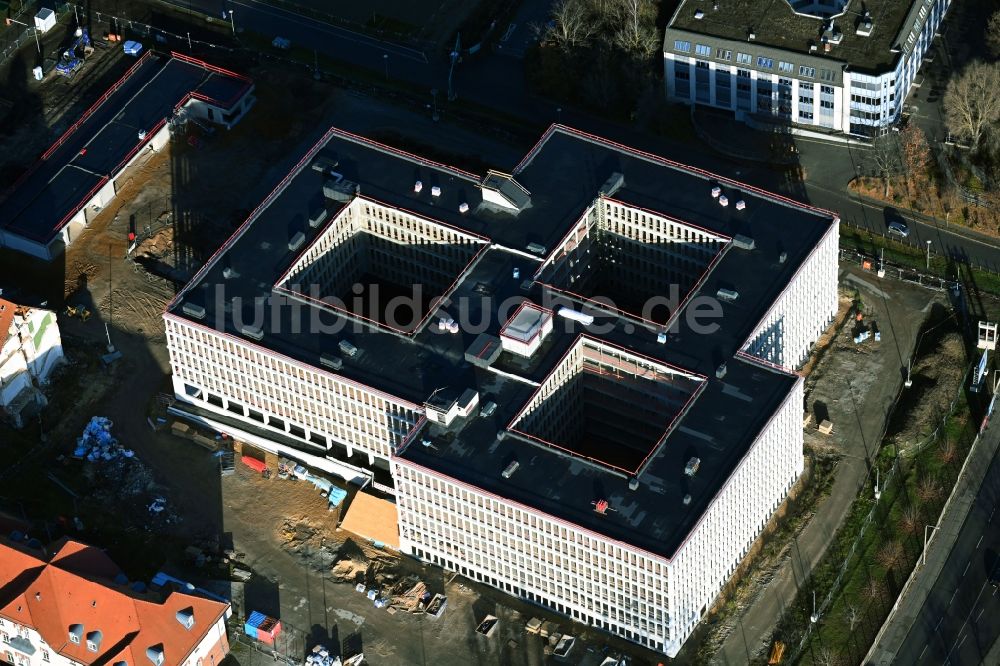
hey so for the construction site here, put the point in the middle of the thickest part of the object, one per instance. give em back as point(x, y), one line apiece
point(308, 548)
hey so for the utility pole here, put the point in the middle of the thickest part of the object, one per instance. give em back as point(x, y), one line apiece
point(928, 255)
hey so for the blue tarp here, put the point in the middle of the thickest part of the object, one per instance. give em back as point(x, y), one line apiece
point(254, 621)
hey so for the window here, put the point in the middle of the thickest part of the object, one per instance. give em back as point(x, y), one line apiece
point(826, 74)
point(681, 45)
point(809, 72)
point(723, 54)
point(45, 655)
point(766, 63)
point(702, 50)
point(785, 66)
point(743, 58)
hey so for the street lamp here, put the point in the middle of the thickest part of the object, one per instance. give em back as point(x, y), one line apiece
point(34, 31)
point(928, 255)
point(385, 59)
point(924, 555)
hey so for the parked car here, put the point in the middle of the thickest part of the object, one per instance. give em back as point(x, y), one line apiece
point(895, 224)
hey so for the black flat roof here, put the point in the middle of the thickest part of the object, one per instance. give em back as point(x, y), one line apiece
point(563, 174)
point(96, 147)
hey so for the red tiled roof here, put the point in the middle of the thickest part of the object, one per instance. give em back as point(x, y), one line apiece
point(6, 318)
point(49, 598)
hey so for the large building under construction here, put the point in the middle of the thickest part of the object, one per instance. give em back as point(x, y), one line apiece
point(576, 379)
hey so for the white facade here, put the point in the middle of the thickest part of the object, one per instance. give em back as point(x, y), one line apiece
point(806, 306)
point(227, 375)
point(30, 351)
point(794, 86)
point(622, 589)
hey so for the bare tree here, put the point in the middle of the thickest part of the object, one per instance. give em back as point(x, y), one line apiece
point(948, 451)
point(636, 21)
point(916, 158)
point(890, 555)
point(572, 26)
point(872, 590)
point(971, 102)
point(852, 614)
point(826, 656)
point(884, 160)
point(909, 521)
point(993, 35)
point(928, 488)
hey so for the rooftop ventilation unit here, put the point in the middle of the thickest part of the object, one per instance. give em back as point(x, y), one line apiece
point(463, 207)
point(435, 191)
point(193, 310)
point(691, 468)
point(728, 295)
point(253, 332)
point(633, 483)
point(716, 191)
point(601, 506)
point(75, 633)
point(297, 241)
point(698, 14)
point(570, 313)
point(723, 200)
point(94, 640)
point(324, 165)
point(865, 25)
point(340, 189)
point(615, 182)
point(510, 469)
point(347, 349)
point(661, 337)
point(229, 273)
point(318, 217)
point(740, 205)
point(743, 242)
point(418, 187)
point(686, 500)
point(720, 372)
point(331, 361)
point(537, 248)
point(783, 257)
point(751, 36)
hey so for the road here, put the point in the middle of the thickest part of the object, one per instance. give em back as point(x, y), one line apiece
point(960, 619)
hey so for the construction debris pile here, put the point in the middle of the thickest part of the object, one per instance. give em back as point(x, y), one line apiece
point(320, 656)
point(118, 476)
point(97, 443)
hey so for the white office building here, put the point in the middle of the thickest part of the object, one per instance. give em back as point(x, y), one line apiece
point(547, 421)
point(839, 65)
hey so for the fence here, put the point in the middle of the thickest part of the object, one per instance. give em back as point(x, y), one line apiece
point(889, 478)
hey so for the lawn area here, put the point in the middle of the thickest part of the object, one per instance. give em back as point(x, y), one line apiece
point(880, 542)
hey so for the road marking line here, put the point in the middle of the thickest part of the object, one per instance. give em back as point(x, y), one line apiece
point(979, 542)
point(966, 569)
point(980, 614)
point(922, 652)
point(940, 620)
point(953, 596)
point(964, 636)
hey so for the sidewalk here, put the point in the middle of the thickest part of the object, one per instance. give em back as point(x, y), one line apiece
point(921, 581)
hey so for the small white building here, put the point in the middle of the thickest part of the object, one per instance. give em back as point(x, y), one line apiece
point(31, 349)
